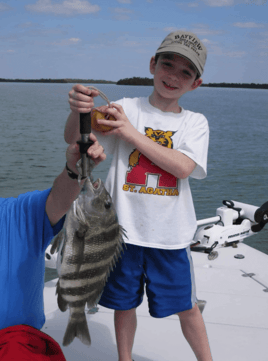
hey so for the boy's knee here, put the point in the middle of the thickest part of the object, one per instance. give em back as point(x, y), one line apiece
point(126, 312)
point(189, 313)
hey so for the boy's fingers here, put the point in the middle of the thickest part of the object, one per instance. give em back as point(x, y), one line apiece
point(85, 90)
point(79, 96)
point(83, 105)
point(118, 107)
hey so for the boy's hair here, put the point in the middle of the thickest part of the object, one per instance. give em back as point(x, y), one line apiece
point(169, 56)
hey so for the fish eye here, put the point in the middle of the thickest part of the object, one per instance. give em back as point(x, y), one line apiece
point(107, 205)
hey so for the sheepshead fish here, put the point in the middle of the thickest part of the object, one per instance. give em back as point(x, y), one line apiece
point(88, 247)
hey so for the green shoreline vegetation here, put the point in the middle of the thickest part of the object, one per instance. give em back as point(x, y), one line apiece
point(130, 81)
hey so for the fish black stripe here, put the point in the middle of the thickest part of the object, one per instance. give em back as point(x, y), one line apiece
point(91, 301)
point(78, 315)
point(77, 304)
point(90, 273)
point(100, 254)
point(80, 291)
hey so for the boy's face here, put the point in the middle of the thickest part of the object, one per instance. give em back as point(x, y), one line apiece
point(173, 76)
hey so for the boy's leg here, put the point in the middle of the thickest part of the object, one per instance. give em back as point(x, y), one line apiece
point(194, 331)
point(124, 291)
point(125, 328)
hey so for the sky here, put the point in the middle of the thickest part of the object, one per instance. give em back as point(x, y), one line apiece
point(115, 39)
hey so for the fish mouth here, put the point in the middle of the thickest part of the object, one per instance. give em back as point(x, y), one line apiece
point(97, 184)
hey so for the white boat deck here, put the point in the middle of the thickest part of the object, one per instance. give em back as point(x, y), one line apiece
point(236, 316)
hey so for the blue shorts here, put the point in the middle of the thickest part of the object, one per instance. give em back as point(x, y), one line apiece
point(167, 274)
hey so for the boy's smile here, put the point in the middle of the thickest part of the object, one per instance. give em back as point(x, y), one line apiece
point(173, 77)
point(168, 86)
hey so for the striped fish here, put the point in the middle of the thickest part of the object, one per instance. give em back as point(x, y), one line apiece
point(88, 247)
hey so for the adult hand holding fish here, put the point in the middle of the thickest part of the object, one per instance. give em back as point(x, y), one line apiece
point(65, 189)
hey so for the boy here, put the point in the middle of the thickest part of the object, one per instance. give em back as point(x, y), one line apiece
point(156, 145)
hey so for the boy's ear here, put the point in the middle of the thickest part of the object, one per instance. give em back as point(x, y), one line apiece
point(152, 65)
point(197, 83)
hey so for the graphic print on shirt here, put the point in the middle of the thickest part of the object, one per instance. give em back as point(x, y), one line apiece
point(141, 167)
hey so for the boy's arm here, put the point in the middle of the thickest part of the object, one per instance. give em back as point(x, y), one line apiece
point(72, 126)
point(65, 190)
point(81, 101)
point(170, 160)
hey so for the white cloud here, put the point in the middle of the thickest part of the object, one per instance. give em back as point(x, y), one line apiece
point(5, 7)
point(9, 51)
point(74, 40)
point(170, 29)
point(235, 54)
point(67, 42)
point(130, 43)
point(204, 30)
point(248, 25)
point(121, 13)
point(124, 1)
point(255, 2)
point(26, 25)
point(67, 7)
point(219, 3)
point(207, 42)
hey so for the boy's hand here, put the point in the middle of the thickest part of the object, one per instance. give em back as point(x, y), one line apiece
point(121, 126)
point(81, 98)
point(96, 152)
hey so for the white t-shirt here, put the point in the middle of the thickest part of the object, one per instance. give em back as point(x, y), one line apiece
point(154, 207)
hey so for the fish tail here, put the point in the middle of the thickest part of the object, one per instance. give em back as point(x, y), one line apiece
point(77, 328)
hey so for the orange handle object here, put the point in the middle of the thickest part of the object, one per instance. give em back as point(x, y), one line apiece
point(95, 115)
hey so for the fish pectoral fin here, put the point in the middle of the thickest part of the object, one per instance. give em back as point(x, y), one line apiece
point(78, 247)
point(57, 241)
point(77, 329)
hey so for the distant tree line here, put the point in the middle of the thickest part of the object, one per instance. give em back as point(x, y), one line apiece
point(91, 81)
point(237, 85)
point(133, 81)
point(147, 81)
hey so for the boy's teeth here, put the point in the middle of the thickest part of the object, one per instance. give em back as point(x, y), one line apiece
point(169, 85)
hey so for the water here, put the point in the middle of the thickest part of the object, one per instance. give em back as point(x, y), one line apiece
point(33, 150)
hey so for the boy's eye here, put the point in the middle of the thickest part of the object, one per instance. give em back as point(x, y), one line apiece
point(167, 63)
point(187, 73)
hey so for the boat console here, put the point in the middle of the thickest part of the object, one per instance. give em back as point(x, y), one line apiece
point(233, 222)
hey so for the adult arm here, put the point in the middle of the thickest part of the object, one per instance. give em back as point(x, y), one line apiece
point(65, 190)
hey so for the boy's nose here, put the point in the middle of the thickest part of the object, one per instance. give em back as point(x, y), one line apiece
point(172, 76)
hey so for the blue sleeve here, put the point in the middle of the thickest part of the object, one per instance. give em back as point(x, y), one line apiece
point(33, 220)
